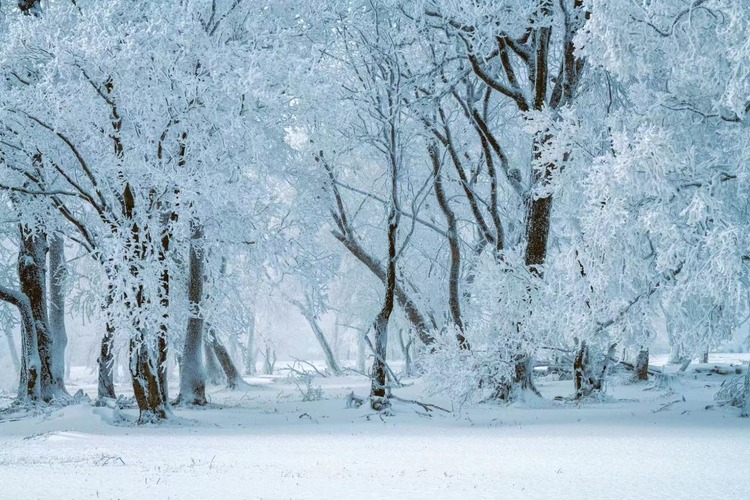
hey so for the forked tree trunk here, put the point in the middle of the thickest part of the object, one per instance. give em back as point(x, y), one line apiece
point(32, 274)
point(144, 370)
point(144, 346)
point(269, 361)
point(405, 345)
point(192, 372)
point(379, 387)
point(588, 380)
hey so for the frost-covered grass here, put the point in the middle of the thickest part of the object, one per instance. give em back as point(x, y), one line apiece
point(266, 442)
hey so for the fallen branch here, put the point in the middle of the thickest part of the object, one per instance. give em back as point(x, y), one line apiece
point(427, 406)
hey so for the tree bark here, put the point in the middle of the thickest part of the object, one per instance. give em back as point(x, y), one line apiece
point(192, 372)
point(232, 374)
point(454, 295)
point(361, 350)
point(106, 362)
point(307, 312)
point(144, 345)
point(31, 366)
point(250, 357)
point(12, 349)
point(641, 364)
point(58, 334)
point(32, 273)
point(214, 375)
point(746, 408)
point(106, 385)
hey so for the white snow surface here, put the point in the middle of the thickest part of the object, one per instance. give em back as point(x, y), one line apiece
point(264, 442)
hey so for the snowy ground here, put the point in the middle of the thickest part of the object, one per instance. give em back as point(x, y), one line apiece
point(266, 443)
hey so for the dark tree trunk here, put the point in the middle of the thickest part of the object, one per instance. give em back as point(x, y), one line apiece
point(106, 360)
point(166, 217)
point(454, 295)
point(348, 238)
point(32, 273)
point(144, 345)
point(146, 387)
point(378, 390)
point(192, 372)
point(641, 364)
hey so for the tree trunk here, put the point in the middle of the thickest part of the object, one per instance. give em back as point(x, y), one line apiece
point(250, 357)
point(214, 375)
point(361, 350)
point(32, 273)
point(232, 374)
point(166, 217)
point(309, 314)
point(106, 361)
point(641, 364)
point(378, 389)
point(106, 385)
point(144, 346)
point(270, 361)
point(12, 349)
point(746, 407)
point(454, 295)
point(405, 345)
point(192, 373)
point(31, 366)
point(144, 371)
point(587, 381)
point(58, 275)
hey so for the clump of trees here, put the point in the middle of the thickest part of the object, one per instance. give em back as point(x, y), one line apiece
point(504, 179)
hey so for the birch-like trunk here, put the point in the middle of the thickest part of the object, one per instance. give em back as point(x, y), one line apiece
point(12, 349)
point(308, 313)
point(250, 352)
point(58, 334)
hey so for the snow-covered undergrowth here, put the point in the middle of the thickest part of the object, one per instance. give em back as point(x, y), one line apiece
point(640, 442)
